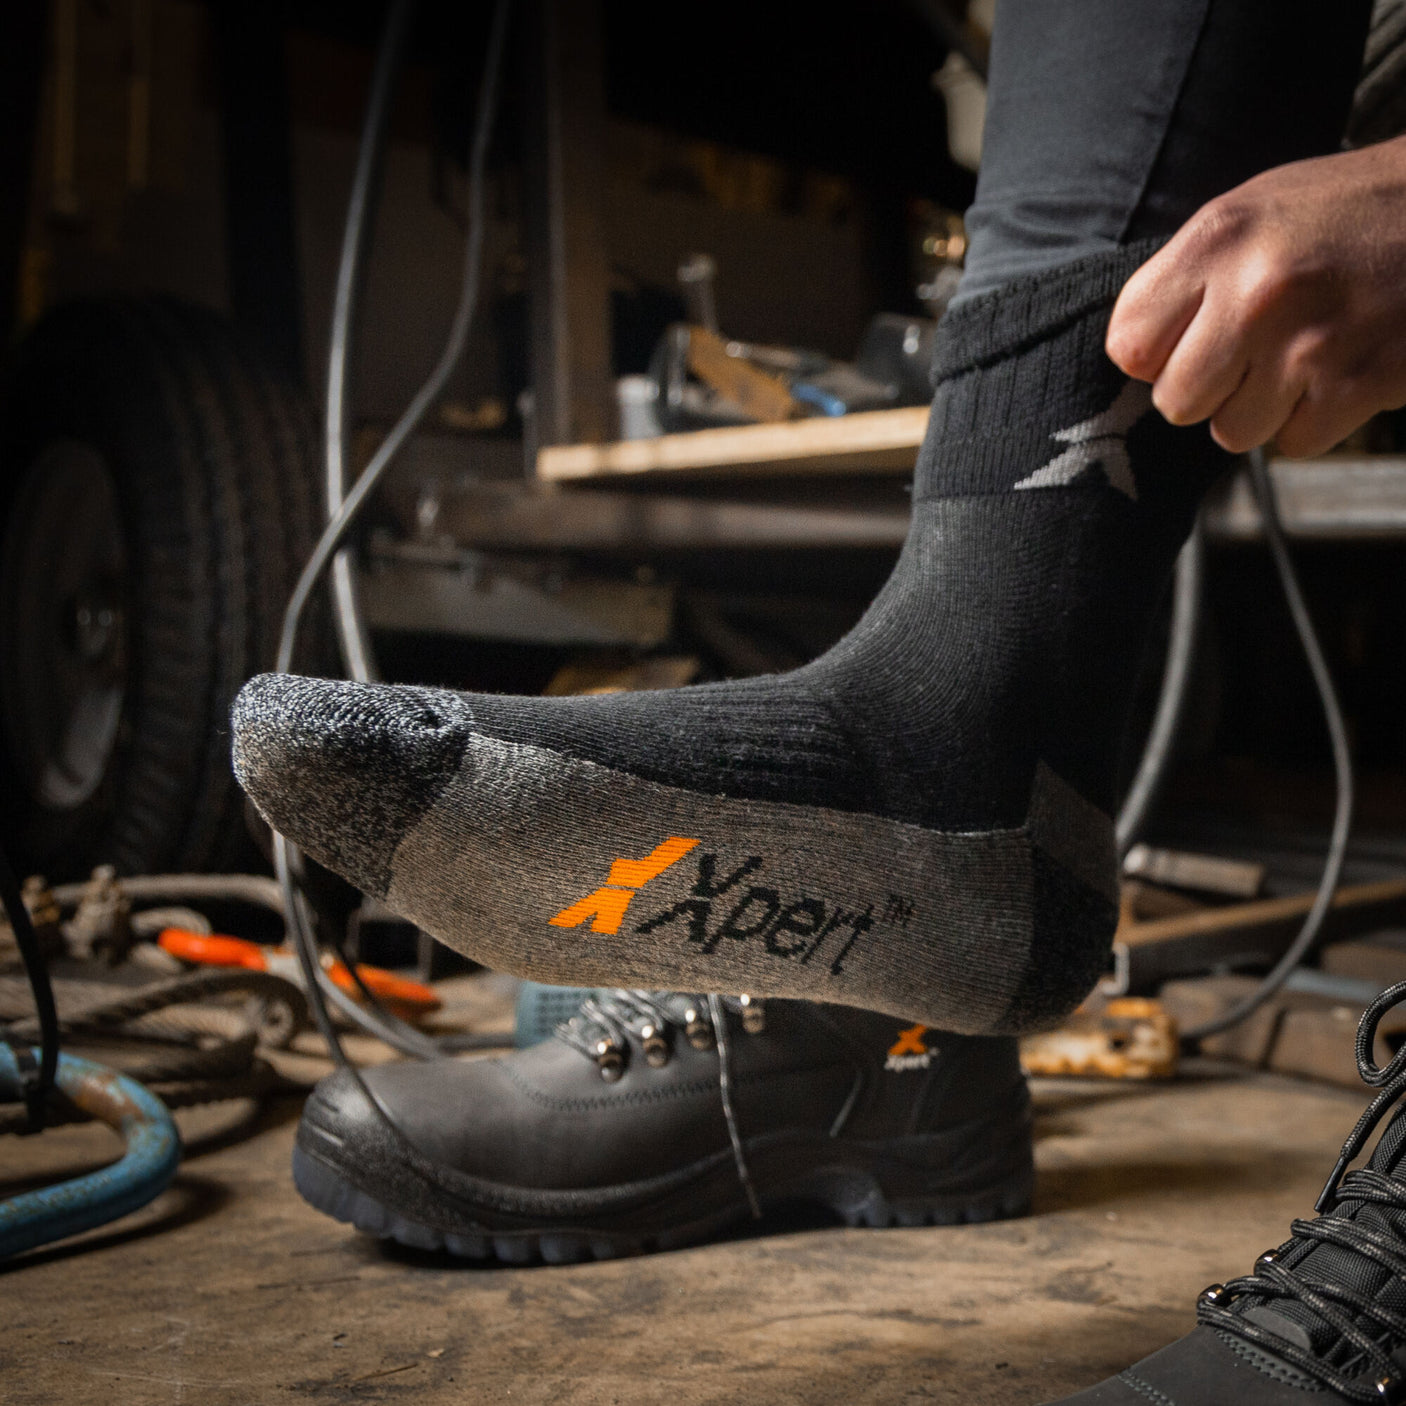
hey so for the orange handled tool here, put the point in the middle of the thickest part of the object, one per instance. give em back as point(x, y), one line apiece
point(407, 998)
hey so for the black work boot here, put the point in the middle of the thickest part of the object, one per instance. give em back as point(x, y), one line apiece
point(1322, 1319)
point(636, 1128)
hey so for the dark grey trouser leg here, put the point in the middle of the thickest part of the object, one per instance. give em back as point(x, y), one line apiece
point(1110, 121)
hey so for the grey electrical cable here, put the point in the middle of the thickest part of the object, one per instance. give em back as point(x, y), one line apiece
point(1302, 944)
point(396, 1033)
point(1187, 592)
point(718, 1014)
point(341, 520)
point(352, 635)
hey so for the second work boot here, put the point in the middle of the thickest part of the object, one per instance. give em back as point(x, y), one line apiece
point(636, 1128)
point(1321, 1320)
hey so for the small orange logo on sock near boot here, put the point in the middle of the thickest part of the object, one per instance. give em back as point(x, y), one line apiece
point(607, 905)
point(909, 1051)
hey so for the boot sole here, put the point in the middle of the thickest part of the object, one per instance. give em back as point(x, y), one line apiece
point(968, 1175)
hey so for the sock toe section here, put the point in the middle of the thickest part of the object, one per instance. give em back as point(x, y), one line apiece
point(344, 770)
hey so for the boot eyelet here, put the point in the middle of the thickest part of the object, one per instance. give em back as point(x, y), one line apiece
point(610, 1060)
point(1213, 1295)
point(753, 1015)
point(655, 1044)
point(1268, 1258)
point(1389, 1389)
point(698, 1031)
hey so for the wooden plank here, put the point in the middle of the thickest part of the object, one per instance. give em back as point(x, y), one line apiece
point(564, 223)
point(1295, 1032)
point(1267, 913)
point(1339, 496)
point(1244, 933)
point(877, 442)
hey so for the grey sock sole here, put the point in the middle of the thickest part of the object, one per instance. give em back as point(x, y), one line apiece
point(564, 870)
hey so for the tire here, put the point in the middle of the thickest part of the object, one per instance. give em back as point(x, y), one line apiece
point(156, 504)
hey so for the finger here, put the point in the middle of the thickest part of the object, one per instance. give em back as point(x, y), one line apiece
point(1259, 407)
point(1205, 368)
point(1154, 309)
point(1317, 422)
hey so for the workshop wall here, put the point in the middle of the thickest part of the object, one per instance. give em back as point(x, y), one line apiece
point(129, 196)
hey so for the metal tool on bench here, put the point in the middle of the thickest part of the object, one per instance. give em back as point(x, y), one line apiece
point(1204, 873)
point(705, 380)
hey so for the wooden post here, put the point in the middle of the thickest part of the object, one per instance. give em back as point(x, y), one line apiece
point(568, 269)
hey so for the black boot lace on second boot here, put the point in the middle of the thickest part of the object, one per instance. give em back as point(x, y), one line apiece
point(1321, 1320)
point(655, 1119)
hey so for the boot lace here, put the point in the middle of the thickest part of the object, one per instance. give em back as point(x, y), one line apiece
point(1358, 1363)
point(609, 1025)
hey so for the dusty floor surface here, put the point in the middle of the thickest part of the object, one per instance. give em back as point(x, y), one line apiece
point(229, 1291)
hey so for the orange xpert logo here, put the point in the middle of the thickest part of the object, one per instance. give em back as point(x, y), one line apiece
point(607, 905)
point(909, 1051)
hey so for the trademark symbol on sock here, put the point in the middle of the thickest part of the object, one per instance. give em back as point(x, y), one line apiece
point(909, 1051)
point(607, 905)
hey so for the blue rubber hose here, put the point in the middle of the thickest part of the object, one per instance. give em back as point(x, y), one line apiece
point(153, 1151)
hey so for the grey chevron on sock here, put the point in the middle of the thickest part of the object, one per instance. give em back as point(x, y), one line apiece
point(1098, 442)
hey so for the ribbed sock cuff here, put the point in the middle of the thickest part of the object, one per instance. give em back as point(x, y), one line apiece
point(1028, 310)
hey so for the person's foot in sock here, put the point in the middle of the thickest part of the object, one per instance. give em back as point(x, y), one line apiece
point(917, 822)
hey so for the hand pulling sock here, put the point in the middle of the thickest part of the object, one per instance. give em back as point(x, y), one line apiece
point(917, 822)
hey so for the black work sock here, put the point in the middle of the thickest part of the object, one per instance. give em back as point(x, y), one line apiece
point(917, 822)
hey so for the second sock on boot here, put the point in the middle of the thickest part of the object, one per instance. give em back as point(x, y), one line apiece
point(917, 822)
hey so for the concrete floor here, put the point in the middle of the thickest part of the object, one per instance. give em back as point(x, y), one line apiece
point(229, 1291)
